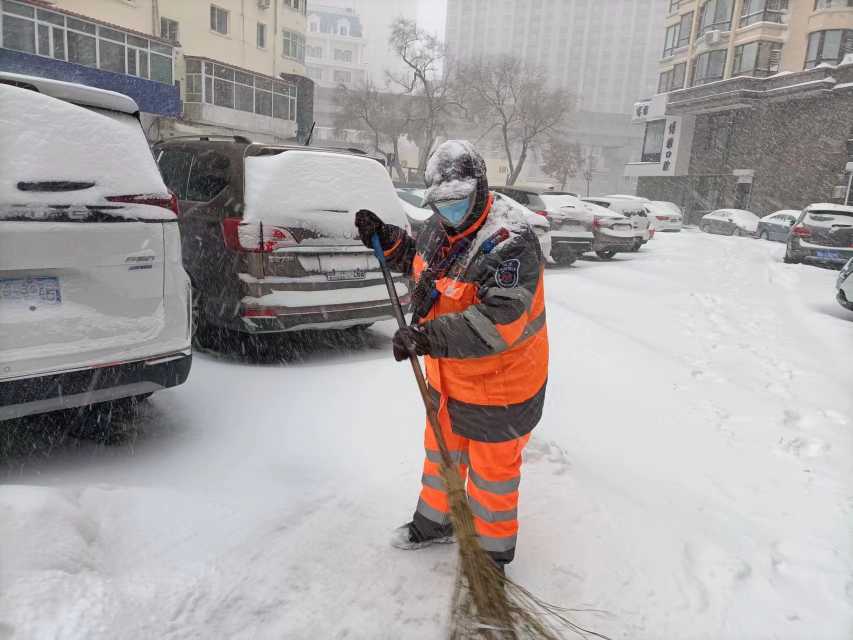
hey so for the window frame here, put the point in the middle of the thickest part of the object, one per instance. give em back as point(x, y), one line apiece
point(261, 35)
point(680, 40)
point(707, 79)
point(845, 47)
point(822, 5)
point(293, 45)
point(751, 13)
point(215, 11)
point(653, 156)
point(208, 76)
point(763, 49)
point(718, 23)
point(669, 40)
point(65, 33)
point(168, 23)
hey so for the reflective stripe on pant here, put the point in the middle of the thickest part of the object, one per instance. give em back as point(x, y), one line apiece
point(493, 471)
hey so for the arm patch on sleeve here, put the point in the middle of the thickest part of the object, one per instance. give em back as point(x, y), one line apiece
point(507, 273)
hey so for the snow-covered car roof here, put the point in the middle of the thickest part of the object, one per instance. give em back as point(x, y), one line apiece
point(829, 206)
point(533, 219)
point(620, 196)
point(735, 213)
point(601, 212)
point(75, 93)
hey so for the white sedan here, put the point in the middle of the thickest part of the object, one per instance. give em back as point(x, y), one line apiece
point(665, 216)
point(844, 286)
point(540, 224)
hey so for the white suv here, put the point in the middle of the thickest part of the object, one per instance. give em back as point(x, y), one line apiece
point(94, 300)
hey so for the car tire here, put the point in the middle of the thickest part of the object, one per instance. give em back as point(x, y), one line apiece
point(566, 259)
point(764, 235)
point(788, 259)
point(636, 246)
point(606, 254)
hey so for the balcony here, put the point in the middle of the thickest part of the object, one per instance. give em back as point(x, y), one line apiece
point(62, 45)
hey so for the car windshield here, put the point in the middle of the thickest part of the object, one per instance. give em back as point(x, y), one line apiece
point(252, 386)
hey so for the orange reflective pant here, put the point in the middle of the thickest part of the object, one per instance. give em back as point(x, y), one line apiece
point(493, 474)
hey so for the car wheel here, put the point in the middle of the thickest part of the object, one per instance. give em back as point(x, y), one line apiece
point(764, 235)
point(606, 255)
point(789, 259)
point(567, 259)
point(636, 246)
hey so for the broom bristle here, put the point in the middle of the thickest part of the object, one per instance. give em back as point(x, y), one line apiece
point(485, 603)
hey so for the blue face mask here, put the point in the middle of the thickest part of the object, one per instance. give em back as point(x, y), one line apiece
point(454, 211)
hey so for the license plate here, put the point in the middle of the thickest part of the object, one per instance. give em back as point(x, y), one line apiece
point(29, 291)
point(829, 255)
point(622, 227)
point(337, 276)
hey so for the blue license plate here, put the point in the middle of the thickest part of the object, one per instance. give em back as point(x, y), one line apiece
point(29, 291)
point(828, 255)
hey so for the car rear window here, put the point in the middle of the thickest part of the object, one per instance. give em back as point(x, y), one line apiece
point(208, 176)
point(58, 153)
point(829, 218)
point(175, 168)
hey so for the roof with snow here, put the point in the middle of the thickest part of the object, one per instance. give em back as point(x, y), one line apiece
point(331, 17)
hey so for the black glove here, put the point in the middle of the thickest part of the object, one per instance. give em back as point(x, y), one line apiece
point(368, 224)
point(414, 338)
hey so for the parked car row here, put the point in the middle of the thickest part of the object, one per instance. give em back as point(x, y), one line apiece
point(821, 234)
point(112, 256)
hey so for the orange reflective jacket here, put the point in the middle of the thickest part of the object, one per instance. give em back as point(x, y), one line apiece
point(487, 330)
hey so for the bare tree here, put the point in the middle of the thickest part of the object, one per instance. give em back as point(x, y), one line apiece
point(588, 169)
point(381, 118)
point(503, 96)
point(561, 160)
point(426, 81)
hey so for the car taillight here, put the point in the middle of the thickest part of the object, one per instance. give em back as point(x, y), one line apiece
point(544, 214)
point(255, 237)
point(663, 218)
point(170, 202)
point(259, 313)
point(596, 222)
point(801, 231)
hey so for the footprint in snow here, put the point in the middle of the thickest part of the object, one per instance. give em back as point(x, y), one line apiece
point(538, 449)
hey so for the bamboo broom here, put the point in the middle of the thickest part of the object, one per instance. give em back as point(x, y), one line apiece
point(485, 603)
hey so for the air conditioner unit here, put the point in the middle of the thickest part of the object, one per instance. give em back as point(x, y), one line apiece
point(713, 37)
point(263, 4)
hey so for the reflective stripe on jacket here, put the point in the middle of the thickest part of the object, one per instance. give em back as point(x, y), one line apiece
point(487, 328)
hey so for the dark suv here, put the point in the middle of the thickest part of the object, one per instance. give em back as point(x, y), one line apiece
point(268, 237)
point(822, 235)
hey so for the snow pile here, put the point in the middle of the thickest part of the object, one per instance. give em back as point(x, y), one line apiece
point(45, 139)
point(318, 191)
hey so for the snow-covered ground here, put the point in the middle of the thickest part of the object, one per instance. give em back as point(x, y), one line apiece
point(692, 477)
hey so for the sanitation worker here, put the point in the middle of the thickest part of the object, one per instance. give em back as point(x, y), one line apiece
point(478, 308)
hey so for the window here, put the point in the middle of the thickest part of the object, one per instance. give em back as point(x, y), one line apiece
point(343, 55)
point(314, 27)
point(669, 41)
point(175, 168)
point(234, 89)
point(208, 176)
point(674, 6)
point(684, 27)
point(832, 4)
point(342, 76)
point(715, 14)
point(296, 5)
point(762, 11)
point(315, 73)
point(55, 35)
point(292, 45)
point(828, 47)
point(262, 35)
point(653, 141)
point(169, 29)
point(759, 59)
point(672, 79)
point(709, 67)
point(343, 30)
point(218, 20)
point(314, 52)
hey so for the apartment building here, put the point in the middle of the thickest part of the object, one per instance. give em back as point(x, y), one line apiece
point(229, 66)
point(603, 53)
point(335, 53)
point(753, 105)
